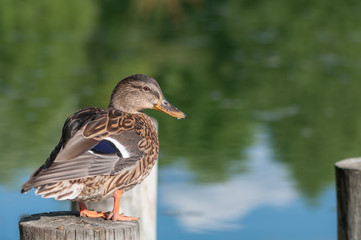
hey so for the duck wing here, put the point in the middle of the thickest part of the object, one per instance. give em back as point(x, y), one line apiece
point(94, 142)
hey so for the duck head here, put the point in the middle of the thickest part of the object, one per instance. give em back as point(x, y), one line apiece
point(139, 92)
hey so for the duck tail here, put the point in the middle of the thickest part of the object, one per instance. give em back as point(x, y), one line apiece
point(26, 187)
point(31, 182)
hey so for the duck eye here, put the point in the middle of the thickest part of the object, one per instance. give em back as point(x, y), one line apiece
point(146, 88)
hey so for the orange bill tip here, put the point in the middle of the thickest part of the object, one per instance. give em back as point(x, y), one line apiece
point(166, 107)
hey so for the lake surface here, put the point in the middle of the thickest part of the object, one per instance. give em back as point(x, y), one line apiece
point(271, 90)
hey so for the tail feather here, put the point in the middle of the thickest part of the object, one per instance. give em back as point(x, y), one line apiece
point(60, 191)
point(30, 183)
point(26, 186)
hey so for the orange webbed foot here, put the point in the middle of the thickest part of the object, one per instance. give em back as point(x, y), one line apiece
point(84, 212)
point(92, 214)
point(119, 217)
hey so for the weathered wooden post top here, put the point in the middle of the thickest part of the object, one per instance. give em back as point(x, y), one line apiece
point(348, 184)
point(69, 226)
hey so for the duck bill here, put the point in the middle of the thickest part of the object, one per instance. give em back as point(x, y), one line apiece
point(166, 107)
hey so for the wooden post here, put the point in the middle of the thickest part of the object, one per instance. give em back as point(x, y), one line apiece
point(348, 184)
point(69, 226)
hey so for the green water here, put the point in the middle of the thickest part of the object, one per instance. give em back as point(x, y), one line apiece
point(292, 67)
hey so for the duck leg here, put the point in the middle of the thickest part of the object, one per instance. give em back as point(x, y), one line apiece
point(114, 215)
point(84, 212)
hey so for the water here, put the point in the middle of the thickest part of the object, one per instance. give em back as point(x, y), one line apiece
point(270, 89)
point(236, 208)
point(260, 204)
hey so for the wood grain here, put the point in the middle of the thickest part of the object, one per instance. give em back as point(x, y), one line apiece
point(68, 225)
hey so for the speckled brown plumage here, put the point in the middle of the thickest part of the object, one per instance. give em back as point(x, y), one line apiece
point(106, 123)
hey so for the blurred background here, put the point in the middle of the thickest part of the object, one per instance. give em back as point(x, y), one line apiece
point(271, 90)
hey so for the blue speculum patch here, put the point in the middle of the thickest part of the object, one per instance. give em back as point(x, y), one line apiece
point(105, 147)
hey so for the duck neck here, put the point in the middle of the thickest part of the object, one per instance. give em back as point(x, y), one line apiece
point(123, 108)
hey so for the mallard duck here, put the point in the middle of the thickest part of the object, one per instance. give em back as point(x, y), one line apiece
point(105, 152)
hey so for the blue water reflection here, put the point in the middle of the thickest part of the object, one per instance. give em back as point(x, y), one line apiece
point(296, 221)
point(262, 203)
